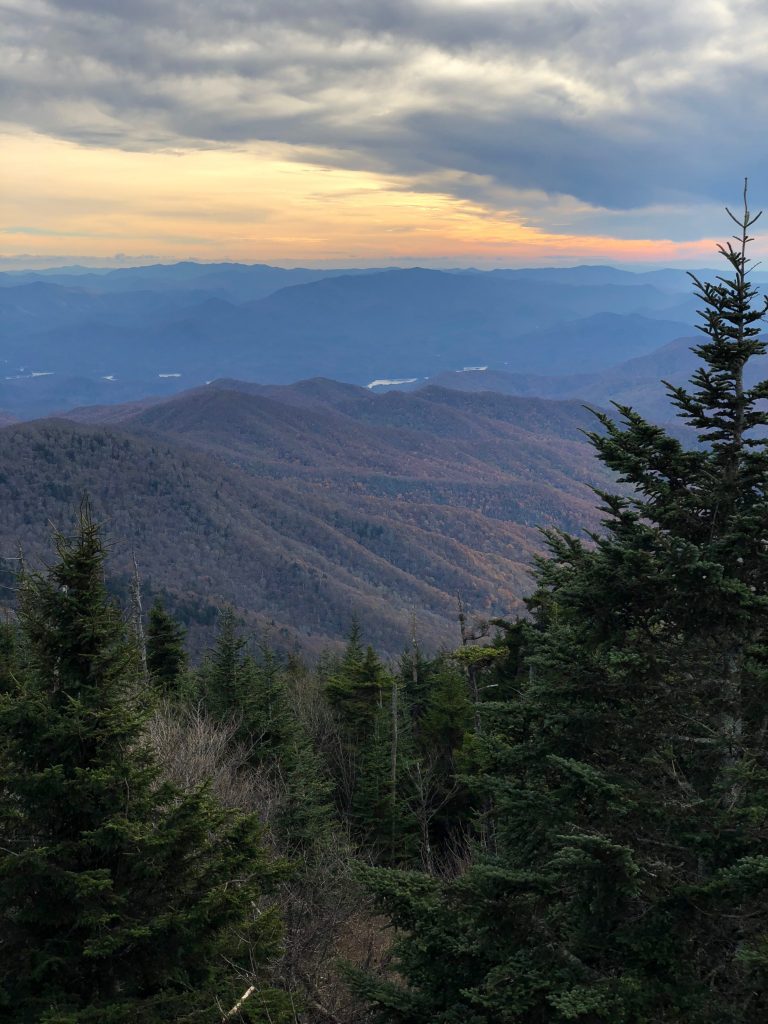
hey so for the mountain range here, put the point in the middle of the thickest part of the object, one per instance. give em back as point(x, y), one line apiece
point(77, 338)
point(303, 506)
point(439, 428)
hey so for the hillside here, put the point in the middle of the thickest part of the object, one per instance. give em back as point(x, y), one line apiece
point(308, 504)
point(637, 382)
point(592, 343)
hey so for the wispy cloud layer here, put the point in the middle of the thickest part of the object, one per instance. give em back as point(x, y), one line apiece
point(567, 114)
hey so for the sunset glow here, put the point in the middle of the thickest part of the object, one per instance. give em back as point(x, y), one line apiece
point(458, 131)
point(259, 205)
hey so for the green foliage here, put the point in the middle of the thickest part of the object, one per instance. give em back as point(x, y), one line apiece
point(624, 769)
point(10, 656)
point(441, 727)
point(224, 676)
point(447, 715)
point(304, 820)
point(266, 706)
point(122, 899)
point(358, 689)
point(253, 693)
point(166, 656)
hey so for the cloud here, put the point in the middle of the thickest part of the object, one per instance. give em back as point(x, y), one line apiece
point(578, 110)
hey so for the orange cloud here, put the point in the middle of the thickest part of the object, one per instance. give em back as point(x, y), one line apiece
point(262, 204)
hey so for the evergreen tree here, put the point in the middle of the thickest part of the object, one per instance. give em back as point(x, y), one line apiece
point(166, 656)
point(254, 693)
point(626, 877)
point(121, 899)
point(10, 655)
point(376, 740)
point(223, 676)
point(441, 722)
point(356, 690)
point(271, 719)
point(304, 820)
point(379, 817)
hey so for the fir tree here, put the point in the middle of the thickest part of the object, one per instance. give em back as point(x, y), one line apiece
point(166, 656)
point(10, 655)
point(378, 817)
point(357, 689)
point(121, 899)
point(376, 740)
point(222, 675)
point(304, 819)
point(626, 876)
point(441, 723)
point(254, 694)
point(271, 720)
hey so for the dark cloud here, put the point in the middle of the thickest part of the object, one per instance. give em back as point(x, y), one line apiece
point(620, 104)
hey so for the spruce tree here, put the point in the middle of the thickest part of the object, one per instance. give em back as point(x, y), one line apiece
point(439, 721)
point(10, 655)
point(356, 689)
point(253, 693)
point(166, 656)
point(304, 818)
point(271, 718)
point(121, 899)
point(625, 878)
point(223, 675)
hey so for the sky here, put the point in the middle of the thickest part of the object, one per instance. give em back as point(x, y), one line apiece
point(376, 132)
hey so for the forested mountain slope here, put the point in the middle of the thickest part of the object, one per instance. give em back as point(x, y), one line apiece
point(307, 504)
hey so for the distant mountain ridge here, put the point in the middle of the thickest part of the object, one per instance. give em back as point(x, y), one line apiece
point(636, 382)
point(96, 338)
